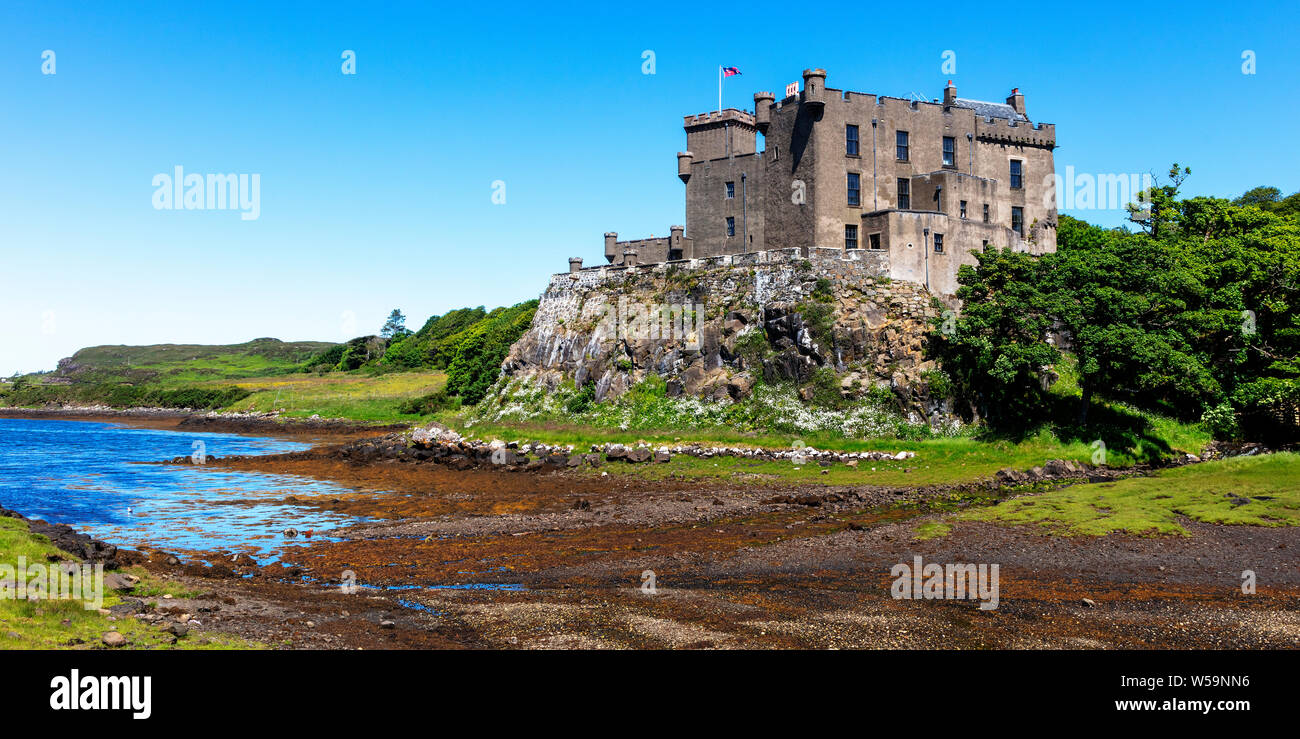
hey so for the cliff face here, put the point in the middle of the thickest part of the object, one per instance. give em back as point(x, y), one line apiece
point(712, 327)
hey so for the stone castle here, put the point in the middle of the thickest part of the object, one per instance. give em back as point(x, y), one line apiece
point(908, 188)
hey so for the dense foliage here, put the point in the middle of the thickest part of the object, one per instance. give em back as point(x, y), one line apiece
point(469, 343)
point(482, 348)
point(434, 345)
point(1197, 316)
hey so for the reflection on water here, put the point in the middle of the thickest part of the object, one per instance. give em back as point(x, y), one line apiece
point(89, 475)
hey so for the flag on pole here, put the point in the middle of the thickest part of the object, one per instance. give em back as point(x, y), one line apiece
point(724, 72)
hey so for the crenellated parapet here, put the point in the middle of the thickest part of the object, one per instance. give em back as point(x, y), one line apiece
point(1002, 131)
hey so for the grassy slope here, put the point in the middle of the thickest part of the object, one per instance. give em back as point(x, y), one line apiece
point(178, 364)
point(39, 624)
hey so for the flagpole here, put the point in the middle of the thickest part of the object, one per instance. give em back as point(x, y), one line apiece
point(719, 88)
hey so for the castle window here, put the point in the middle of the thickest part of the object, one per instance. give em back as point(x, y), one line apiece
point(731, 190)
point(851, 140)
point(949, 151)
point(904, 193)
point(938, 243)
point(900, 145)
point(731, 226)
point(963, 210)
point(1017, 177)
point(855, 189)
point(850, 236)
point(1018, 220)
point(873, 241)
point(986, 212)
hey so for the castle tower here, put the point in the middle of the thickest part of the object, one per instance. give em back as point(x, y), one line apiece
point(717, 135)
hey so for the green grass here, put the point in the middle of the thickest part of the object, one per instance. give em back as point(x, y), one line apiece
point(179, 364)
point(357, 396)
point(937, 461)
point(66, 624)
point(1255, 491)
point(932, 530)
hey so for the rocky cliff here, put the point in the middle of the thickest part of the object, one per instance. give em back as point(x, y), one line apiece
point(829, 325)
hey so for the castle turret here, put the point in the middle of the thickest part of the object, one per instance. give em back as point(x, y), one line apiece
point(763, 111)
point(675, 239)
point(1016, 100)
point(684, 160)
point(629, 257)
point(814, 88)
point(575, 264)
point(611, 245)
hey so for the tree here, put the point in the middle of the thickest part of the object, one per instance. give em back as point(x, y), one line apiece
point(1155, 205)
point(1258, 196)
point(395, 326)
point(996, 350)
point(1124, 299)
point(1199, 316)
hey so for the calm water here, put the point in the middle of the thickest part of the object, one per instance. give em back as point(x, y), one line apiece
point(89, 474)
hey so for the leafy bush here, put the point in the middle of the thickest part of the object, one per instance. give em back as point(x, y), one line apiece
point(752, 346)
point(826, 389)
point(434, 345)
point(479, 354)
point(582, 400)
point(1221, 421)
point(438, 400)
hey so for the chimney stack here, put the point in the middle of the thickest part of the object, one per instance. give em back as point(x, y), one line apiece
point(950, 94)
point(1016, 100)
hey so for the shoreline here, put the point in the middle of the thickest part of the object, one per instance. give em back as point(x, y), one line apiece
point(554, 557)
point(177, 419)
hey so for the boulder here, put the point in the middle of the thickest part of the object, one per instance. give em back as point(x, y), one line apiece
point(638, 455)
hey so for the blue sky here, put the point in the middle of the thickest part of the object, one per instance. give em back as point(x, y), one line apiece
point(376, 188)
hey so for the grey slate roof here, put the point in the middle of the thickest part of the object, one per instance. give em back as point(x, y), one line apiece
point(990, 110)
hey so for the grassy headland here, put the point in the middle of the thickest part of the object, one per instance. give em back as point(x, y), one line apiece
point(64, 623)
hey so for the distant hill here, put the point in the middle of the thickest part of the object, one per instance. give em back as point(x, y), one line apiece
point(182, 363)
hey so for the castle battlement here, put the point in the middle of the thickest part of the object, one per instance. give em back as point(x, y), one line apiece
point(726, 115)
